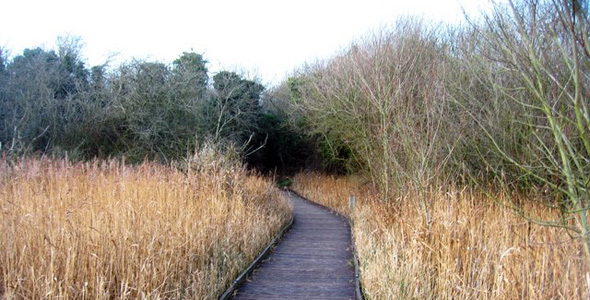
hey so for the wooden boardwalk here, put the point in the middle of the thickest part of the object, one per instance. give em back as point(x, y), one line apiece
point(314, 259)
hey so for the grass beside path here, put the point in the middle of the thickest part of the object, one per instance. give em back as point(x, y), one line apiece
point(106, 230)
point(472, 249)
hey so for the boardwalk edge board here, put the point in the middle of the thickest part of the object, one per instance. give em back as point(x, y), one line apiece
point(240, 279)
point(357, 275)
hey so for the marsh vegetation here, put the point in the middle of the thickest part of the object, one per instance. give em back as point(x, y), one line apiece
point(468, 147)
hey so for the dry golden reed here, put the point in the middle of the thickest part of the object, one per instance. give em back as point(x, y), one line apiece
point(473, 248)
point(104, 230)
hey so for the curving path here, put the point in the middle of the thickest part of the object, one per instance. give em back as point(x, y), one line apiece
point(314, 259)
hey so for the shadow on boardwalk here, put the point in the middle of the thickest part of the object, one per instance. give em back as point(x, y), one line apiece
point(314, 260)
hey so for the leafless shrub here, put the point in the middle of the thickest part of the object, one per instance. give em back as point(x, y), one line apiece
point(384, 98)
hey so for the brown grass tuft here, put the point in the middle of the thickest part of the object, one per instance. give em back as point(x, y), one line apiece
point(472, 249)
point(104, 230)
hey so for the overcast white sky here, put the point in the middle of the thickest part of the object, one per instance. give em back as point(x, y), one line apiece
point(263, 37)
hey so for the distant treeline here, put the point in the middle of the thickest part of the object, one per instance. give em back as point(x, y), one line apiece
point(503, 98)
point(52, 103)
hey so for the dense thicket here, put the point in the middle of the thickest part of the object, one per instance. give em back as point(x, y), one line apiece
point(50, 102)
point(492, 99)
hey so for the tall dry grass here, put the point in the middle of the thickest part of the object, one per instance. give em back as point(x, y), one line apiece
point(473, 248)
point(104, 230)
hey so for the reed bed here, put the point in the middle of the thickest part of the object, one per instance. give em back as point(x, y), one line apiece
point(105, 230)
point(473, 247)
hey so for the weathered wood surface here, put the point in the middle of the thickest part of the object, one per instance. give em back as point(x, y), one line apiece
point(314, 260)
